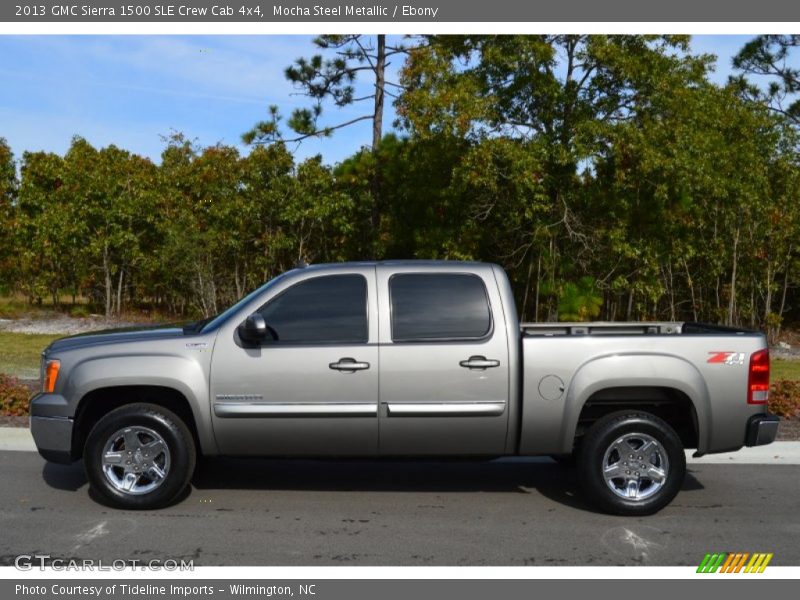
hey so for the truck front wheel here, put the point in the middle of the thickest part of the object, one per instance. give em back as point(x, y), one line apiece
point(631, 463)
point(139, 456)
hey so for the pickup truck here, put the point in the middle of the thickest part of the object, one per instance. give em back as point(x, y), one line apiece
point(419, 359)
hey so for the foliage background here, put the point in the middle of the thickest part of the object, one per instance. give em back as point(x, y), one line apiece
point(607, 174)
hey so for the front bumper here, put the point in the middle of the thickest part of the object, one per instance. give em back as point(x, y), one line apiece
point(51, 427)
point(761, 430)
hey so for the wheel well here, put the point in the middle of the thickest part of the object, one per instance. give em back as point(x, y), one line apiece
point(669, 404)
point(98, 403)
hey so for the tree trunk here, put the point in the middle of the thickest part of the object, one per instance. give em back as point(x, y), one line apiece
point(552, 300)
point(380, 87)
point(690, 283)
point(538, 281)
point(629, 311)
point(783, 299)
point(670, 282)
point(119, 290)
point(732, 300)
point(527, 287)
point(237, 280)
point(214, 310)
point(768, 299)
point(202, 294)
point(300, 245)
point(109, 284)
point(377, 133)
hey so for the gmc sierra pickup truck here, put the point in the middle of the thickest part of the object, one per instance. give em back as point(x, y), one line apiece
point(400, 359)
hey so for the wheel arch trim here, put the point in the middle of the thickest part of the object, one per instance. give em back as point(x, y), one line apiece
point(177, 374)
point(636, 370)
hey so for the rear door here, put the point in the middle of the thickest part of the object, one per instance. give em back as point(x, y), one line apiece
point(444, 378)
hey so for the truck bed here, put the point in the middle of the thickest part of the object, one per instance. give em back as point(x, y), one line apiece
point(706, 365)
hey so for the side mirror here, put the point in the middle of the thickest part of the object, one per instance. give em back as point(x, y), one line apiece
point(254, 330)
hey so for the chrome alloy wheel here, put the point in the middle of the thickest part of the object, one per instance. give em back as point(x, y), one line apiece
point(635, 466)
point(135, 460)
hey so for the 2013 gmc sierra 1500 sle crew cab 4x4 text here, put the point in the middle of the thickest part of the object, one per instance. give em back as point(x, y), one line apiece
point(400, 359)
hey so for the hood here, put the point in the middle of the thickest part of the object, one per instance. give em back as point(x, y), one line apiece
point(116, 336)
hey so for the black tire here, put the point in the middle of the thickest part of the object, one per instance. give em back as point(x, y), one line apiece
point(140, 418)
point(624, 427)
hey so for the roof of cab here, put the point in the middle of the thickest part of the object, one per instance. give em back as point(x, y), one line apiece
point(396, 263)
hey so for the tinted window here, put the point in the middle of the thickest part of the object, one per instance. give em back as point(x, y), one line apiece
point(323, 309)
point(438, 306)
point(223, 316)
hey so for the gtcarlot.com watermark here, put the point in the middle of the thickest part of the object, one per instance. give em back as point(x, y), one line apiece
point(30, 562)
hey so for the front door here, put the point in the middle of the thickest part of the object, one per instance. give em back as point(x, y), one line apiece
point(311, 389)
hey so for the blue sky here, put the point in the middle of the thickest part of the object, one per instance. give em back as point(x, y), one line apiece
point(131, 90)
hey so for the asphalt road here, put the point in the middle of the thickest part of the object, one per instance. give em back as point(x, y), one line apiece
point(281, 512)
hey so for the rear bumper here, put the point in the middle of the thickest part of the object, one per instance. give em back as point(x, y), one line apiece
point(761, 430)
point(51, 427)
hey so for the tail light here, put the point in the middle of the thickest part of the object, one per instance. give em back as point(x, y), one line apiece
point(758, 378)
point(50, 375)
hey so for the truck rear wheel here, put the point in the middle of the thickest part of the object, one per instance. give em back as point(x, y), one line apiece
point(631, 463)
point(139, 456)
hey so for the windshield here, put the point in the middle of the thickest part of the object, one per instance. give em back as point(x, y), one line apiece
point(214, 322)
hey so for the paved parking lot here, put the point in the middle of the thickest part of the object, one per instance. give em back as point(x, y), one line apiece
point(511, 512)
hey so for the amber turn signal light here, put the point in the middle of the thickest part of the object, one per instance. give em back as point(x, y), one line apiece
point(51, 374)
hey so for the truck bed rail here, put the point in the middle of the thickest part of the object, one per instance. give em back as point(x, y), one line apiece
point(625, 328)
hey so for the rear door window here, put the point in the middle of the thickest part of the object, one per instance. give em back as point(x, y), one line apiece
point(439, 306)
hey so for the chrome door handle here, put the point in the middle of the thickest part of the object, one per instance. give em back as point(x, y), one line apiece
point(348, 365)
point(479, 362)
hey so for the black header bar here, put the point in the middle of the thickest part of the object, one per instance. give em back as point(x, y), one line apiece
point(430, 11)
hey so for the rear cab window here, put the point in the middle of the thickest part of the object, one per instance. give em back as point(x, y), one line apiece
point(439, 307)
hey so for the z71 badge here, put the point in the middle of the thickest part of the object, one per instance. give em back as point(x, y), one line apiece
point(727, 358)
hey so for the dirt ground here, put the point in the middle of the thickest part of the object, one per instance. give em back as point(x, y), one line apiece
point(789, 430)
point(64, 325)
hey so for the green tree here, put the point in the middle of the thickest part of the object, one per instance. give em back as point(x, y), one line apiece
point(580, 301)
point(685, 197)
point(268, 177)
point(203, 236)
point(767, 58)
point(45, 227)
point(8, 217)
point(333, 79)
point(562, 95)
point(331, 76)
point(110, 195)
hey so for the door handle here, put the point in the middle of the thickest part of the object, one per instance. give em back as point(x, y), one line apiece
point(479, 363)
point(348, 365)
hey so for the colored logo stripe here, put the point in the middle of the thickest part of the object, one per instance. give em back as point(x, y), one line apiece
point(758, 563)
point(734, 562)
point(711, 562)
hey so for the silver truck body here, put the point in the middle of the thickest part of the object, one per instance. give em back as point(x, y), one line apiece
point(517, 390)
